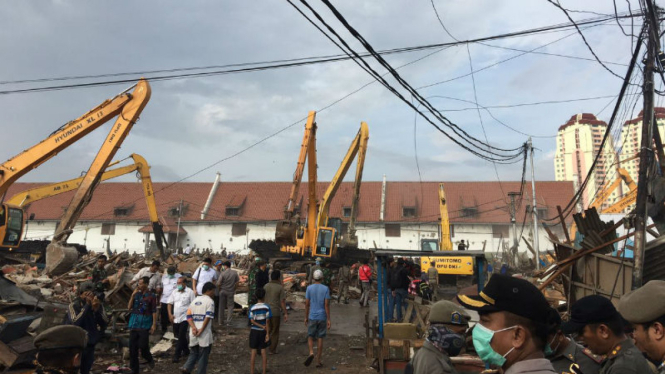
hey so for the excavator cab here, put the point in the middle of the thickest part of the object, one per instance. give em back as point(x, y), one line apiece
point(326, 241)
point(11, 225)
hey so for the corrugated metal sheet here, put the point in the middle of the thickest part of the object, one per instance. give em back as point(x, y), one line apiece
point(654, 260)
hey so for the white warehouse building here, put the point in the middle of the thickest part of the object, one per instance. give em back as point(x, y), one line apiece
point(229, 215)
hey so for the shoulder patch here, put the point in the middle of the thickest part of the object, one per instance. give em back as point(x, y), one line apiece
point(591, 355)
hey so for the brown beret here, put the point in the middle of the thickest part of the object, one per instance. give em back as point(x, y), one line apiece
point(61, 337)
point(644, 304)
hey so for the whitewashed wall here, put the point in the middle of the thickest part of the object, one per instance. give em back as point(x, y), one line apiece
point(215, 235)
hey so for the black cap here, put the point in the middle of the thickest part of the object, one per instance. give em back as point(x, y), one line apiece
point(504, 293)
point(589, 310)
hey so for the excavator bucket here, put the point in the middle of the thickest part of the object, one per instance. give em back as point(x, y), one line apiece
point(285, 233)
point(60, 258)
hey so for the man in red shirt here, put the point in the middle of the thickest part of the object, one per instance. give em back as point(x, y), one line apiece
point(365, 275)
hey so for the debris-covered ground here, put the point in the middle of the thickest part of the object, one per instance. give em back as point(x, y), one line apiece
point(230, 354)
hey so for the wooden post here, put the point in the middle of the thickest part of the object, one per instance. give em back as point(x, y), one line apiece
point(563, 225)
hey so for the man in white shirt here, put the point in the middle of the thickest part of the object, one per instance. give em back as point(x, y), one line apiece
point(178, 303)
point(165, 288)
point(204, 274)
point(199, 317)
point(152, 272)
point(188, 249)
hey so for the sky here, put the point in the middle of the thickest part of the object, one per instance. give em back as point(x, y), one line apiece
point(193, 128)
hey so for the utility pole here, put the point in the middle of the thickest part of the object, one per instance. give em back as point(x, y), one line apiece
point(534, 210)
point(177, 233)
point(646, 149)
point(513, 220)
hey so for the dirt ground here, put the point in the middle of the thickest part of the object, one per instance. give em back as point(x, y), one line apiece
point(343, 347)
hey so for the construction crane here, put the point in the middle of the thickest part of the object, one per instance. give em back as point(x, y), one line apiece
point(127, 106)
point(320, 235)
point(140, 166)
point(462, 265)
point(605, 193)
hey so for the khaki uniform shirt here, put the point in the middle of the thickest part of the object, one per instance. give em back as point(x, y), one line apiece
point(274, 297)
point(535, 366)
point(576, 354)
point(345, 274)
point(625, 358)
point(433, 275)
point(429, 360)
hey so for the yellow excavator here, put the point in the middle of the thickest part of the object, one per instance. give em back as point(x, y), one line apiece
point(320, 235)
point(461, 265)
point(140, 166)
point(127, 106)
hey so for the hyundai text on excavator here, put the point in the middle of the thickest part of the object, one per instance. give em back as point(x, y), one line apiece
point(320, 235)
point(127, 106)
point(140, 166)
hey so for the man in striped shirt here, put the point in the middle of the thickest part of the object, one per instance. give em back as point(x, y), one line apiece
point(259, 338)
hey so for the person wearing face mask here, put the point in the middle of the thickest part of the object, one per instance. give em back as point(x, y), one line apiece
point(600, 327)
point(448, 323)
point(165, 288)
point(645, 309)
point(204, 274)
point(178, 303)
point(515, 319)
point(563, 352)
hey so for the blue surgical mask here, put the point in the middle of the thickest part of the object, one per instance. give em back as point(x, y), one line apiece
point(171, 276)
point(181, 287)
point(482, 337)
point(318, 262)
point(206, 267)
point(549, 351)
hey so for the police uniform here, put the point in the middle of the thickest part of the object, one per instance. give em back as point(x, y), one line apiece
point(429, 359)
point(624, 357)
point(66, 337)
point(504, 293)
point(644, 305)
point(574, 353)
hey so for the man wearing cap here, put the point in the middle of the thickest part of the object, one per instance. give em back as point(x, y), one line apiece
point(86, 312)
point(312, 269)
point(59, 349)
point(600, 328)
point(514, 321)
point(563, 352)
point(168, 283)
point(317, 316)
point(645, 309)
point(448, 323)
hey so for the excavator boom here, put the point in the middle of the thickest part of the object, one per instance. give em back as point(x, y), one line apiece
point(446, 243)
point(59, 257)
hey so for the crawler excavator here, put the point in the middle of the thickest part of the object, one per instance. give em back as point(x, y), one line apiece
point(140, 166)
point(320, 235)
point(127, 106)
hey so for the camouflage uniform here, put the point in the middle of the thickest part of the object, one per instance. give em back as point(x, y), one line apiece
point(251, 281)
point(97, 276)
point(327, 276)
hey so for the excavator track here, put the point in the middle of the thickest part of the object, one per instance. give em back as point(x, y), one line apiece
point(268, 249)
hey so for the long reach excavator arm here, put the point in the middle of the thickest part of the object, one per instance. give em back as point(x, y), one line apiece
point(140, 166)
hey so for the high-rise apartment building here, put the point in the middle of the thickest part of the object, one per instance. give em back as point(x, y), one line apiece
point(577, 143)
point(631, 137)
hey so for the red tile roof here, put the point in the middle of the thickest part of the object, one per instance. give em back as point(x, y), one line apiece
point(265, 201)
point(583, 118)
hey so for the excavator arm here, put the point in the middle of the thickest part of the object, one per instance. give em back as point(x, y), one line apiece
point(140, 165)
point(326, 236)
point(446, 243)
point(285, 233)
point(59, 257)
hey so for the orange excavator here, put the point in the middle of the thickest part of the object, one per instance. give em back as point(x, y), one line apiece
point(127, 106)
point(320, 235)
point(140, 166)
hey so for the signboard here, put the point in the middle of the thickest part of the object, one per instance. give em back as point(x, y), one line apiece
point(448, 265)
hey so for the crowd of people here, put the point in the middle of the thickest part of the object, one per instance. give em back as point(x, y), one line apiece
point(517, 332)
